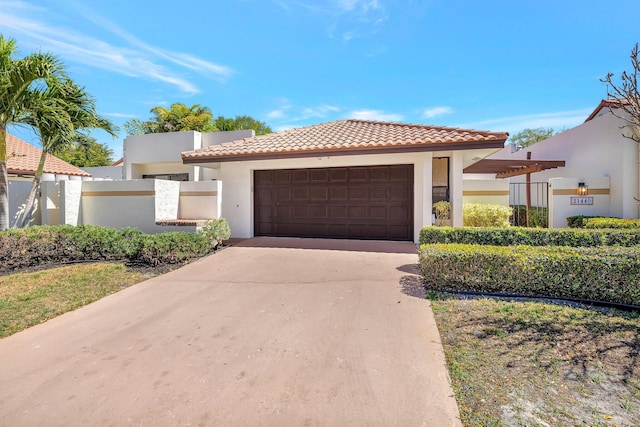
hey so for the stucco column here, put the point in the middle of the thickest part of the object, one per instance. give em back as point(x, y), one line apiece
point(455, 192)
point(70, 202)
point(427, 191)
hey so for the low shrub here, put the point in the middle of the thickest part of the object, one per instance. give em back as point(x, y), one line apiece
point(42, 245)
point(215, 231)
point(529, 236)
point(612, 223)
point(481, 215)
point(538, 216)
point(578, 221)
point(172, 248)
point(604, 274)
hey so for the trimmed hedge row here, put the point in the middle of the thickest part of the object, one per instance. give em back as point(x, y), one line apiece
point(606, 274)
point(596, 222)
point(529, 236)
point(40, 245)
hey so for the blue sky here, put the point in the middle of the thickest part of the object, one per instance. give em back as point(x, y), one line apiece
point(492, 64)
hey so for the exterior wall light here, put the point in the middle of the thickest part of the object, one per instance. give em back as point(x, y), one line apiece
point(583, 190)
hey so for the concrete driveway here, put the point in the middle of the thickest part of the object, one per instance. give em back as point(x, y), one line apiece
point(275, 332)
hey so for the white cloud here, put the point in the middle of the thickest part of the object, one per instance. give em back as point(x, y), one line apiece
point(436, 111)
point(375, 115)
point(275, 114)
point(320, 111)
point(120, 115)
point(344, 19)
point(557, 120)
point(135, 59)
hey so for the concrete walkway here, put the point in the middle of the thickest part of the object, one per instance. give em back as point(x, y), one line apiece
point(272, 332)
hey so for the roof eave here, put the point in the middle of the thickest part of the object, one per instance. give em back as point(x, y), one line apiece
point(344, 152)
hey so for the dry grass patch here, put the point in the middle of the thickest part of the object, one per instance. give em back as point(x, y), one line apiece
point(27, 299)
point(535, 364)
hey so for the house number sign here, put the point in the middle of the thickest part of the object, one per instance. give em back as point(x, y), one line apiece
point(582, 200)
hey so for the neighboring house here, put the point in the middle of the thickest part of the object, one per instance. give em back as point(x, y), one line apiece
point(22, 163)
point(597, 155)
point(342, 179)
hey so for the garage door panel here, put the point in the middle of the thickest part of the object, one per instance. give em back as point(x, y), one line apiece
point(300, 194)
point(282, 177)
point(319, 176)
point(363, 202)
point(378, 213)
point(338, 194)
point(399, 213)
point(379, 174)
point(319, 193)
point(359, 193)
point(337, 212)
point(338, 175)
point(300, 176)
point(378, 193)
point(283, 194)
point(359, 175)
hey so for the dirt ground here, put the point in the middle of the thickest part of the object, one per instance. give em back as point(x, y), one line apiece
point(526, 363)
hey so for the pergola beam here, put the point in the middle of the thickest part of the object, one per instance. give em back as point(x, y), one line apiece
point(537, 167)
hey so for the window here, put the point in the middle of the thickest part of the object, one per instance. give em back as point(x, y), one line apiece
point(168, 176)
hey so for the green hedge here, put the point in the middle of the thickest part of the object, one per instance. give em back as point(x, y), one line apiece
point(612, 223)
point(529, 236)
point(41, 245)
point(606, 274)
point(597, 222)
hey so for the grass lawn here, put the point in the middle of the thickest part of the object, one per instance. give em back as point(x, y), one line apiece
point(27, 299)
point(536, 364)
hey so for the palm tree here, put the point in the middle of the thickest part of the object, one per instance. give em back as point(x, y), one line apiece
point(19, 83)
point(59, 114)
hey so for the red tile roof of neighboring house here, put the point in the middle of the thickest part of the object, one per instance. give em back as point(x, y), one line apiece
point(347, 137)
point(607, 103)
point(23, 159)
point(118, 162)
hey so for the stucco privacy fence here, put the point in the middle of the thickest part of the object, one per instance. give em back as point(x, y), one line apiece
point(150, 205)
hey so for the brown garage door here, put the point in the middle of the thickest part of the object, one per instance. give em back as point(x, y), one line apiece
point(372, 202)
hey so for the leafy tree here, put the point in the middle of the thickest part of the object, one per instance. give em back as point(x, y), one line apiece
point(527, 137)
point(242, 123)
point(626, 92)
point(176, 118)
point(179, 117)
point(61, 112)
point(86, 152)
point(21, 83)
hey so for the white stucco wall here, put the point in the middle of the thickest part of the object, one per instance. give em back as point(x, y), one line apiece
point(593, 149)
point(50, 202)
point(561, 190)
point(216, 138)
point(18, 192)
point(142, 151)
point(486, 191)
point(106, 172)
point(237, 177)
point(160, 153)
point(134, 203)
point(200, 200)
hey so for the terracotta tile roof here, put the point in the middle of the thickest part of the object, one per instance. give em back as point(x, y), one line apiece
point(345, 137)
point(607, 103)
point(23, 159)
point(118, 162)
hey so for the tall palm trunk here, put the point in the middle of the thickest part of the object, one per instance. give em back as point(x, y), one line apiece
point(4, 181)
point(27, 213)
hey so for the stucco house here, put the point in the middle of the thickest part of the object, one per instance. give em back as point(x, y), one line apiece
point(342, 179)
point(599, 164)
